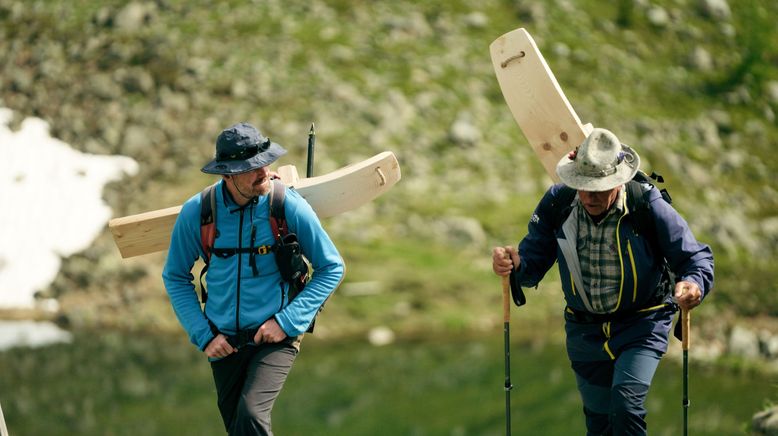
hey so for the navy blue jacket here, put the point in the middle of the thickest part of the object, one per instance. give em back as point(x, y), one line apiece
point(641, 269)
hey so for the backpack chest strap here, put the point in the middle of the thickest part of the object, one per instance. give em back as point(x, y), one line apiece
point(227, 252)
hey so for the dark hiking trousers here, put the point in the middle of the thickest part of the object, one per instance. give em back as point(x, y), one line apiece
point(614, 392)
point(248, 383)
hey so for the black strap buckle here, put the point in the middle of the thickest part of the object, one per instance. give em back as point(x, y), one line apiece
point(242, 338)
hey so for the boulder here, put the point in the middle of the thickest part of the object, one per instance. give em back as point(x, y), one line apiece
point(765, 423)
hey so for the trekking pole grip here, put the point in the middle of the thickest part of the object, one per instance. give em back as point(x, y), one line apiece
point(685, 329)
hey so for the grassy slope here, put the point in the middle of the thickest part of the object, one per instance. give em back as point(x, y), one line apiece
point(396, 75)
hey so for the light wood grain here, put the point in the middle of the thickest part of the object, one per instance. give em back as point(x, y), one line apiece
point(329, 194)
point(535, 99)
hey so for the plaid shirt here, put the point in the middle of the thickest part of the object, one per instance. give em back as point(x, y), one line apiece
point(598, 253)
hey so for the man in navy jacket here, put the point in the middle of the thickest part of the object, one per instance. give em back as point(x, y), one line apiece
point(249, 327)
point(618, 284)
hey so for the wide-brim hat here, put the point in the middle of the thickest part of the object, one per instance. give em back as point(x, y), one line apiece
point(600, 163)
point(241, 148)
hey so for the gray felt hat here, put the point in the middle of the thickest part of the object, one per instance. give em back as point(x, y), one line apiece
point(600, 163)
point(241, 148)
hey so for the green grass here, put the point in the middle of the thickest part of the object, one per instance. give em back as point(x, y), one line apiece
point(108, 383)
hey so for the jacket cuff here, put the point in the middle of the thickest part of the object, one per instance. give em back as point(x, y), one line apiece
point(285, 323)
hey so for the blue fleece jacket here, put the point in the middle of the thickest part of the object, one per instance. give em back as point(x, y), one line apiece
point(237, 299)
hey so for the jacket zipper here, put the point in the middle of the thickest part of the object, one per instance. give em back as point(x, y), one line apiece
point(240, 258)
point(634, 272)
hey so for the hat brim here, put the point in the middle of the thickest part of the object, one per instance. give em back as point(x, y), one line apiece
point(625, 171)
point(232, 167)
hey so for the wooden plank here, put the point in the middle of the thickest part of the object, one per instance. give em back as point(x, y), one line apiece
point(350, 187)
point(144, 233)
point(288, 174)
point(330, 194)
point(535, 99)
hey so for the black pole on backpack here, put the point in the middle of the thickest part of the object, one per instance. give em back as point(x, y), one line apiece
point(311, 143)
point(685, 340)
point(506, 315)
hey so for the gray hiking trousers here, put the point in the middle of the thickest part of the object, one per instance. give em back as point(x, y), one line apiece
point(248, 383)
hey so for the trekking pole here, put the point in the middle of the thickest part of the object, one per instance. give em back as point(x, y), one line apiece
point(311, 143)
point(506, 315)
point(685, 339)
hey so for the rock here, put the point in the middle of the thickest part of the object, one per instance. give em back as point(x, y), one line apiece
point(464, 133)
point(134, 16)
point(477, 20)
point(460, 231)
point(561, 49)
point(772, 91)
point(104, 87)
point(22, 80)
point(658, 17)
point(532, 12)
point(380, 336)
point(700, 59)
point(173, 101)
point(103, 17)
point(769, 226)
point(707, 133)
point(135, 79)
point(744, 343)
point(722, 119)
point(142, 141)
point(728, 30)
point(765, 423)
point(755, 129)
point(239, 89)
point(716, 9)
point(768, 344)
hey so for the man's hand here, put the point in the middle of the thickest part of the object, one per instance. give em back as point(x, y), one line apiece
point(269, 332)
point(219, 347)
point(687, 295)
point(505, 259)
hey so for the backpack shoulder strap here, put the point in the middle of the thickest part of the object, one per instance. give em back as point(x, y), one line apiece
point(640, 210)
point(208, 220)
point(277, 212)
point(207, 231)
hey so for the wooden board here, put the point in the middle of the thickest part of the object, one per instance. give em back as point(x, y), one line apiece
point(330, 194)
point(535, 99)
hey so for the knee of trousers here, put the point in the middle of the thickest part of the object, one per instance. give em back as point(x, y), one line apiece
point(251, 412)
point(628, 399)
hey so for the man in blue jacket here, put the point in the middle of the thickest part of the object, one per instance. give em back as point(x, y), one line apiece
point(247, 297)
point(621, 287)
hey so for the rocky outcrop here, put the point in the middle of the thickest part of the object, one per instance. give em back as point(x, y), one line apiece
point(765, 423)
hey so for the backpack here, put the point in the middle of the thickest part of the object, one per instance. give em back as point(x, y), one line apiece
point(292, 264)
